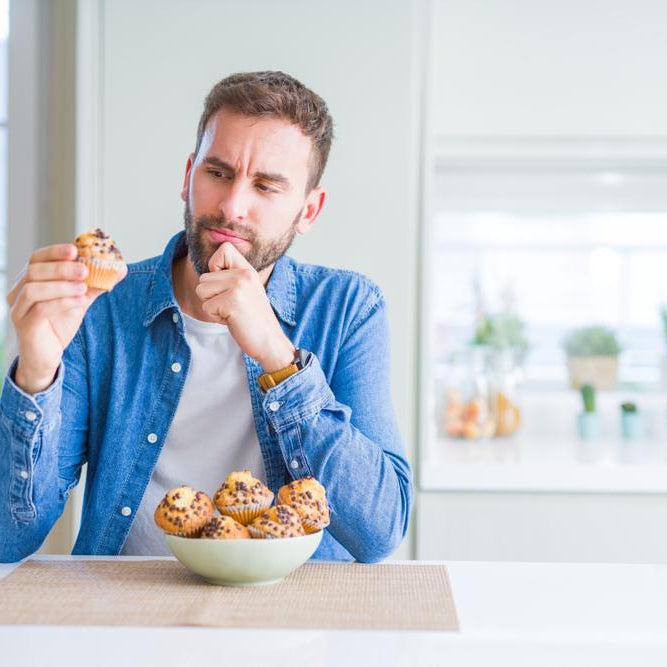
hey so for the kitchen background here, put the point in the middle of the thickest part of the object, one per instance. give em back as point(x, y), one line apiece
point(499, 168)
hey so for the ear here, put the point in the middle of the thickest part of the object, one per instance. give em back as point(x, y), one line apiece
point(186, 179)
point(311, 210)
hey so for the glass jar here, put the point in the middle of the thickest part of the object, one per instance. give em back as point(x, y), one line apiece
point(504, 376)
point(468, 412)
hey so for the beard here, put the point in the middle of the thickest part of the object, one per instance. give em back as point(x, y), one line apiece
point(261, 254)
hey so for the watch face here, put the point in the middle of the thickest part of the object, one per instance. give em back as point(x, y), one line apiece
point(300, 358)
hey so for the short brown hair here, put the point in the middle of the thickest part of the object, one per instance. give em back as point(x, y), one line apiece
point(274, 94)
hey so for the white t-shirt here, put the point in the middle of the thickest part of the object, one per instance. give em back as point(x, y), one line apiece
point(212, 433)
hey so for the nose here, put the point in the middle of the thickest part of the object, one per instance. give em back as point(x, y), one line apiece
point(235, 201)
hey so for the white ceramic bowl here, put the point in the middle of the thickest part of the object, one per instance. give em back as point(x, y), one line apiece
point(243, 562)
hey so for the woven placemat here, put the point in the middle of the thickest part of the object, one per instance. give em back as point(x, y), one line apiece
point(163, 592)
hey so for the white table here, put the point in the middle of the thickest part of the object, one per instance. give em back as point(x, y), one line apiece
point(514, 614)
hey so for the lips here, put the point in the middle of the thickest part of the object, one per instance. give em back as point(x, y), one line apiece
point(225, 236)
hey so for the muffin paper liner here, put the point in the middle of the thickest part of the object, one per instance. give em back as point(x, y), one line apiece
point(102, 274)
point(313, 526)
point(191, 533)
point(258, 534)
point(244, 514)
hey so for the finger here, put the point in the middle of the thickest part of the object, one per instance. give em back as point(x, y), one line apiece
point(92, 294)
point(218, 308)
point(59, 252)
point(43, 271)
point(51, 253)
point(32, 293)
point(227, 257)
point(55, 307)
point(217, 282)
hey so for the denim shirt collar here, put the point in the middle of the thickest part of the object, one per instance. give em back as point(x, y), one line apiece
point(281, 288)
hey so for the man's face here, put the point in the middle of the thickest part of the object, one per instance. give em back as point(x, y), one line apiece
point(246, 185)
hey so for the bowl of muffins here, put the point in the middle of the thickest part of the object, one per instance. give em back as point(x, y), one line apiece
point(241, 537)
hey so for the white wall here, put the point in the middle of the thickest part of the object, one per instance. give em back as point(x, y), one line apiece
point(544, 68)
point(144, 69)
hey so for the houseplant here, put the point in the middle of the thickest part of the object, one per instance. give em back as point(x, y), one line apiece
point(589, 421)
point(632, 423)
point(501, 331)
point(592, 357)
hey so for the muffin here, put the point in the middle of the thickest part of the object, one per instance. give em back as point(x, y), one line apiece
point(308, 498)
point(103, 259)
point(278, 521)
point(242, 497)
point(224, 528)
point(183, 511)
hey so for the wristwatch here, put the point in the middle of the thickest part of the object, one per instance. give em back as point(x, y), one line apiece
point(269, 380)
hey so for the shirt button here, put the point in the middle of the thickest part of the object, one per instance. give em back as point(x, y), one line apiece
point(24, 474)
point(274, 406)
point(152, 438)
point(294, 464)
point(30, 416)
point(126, 511)
point(174, 317)
point(176, 367)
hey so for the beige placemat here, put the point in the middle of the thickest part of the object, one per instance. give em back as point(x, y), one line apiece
point(163, 592)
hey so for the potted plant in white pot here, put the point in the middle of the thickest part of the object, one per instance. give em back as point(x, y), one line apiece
point(589, 421)
point(632, 424)
point(592, 357)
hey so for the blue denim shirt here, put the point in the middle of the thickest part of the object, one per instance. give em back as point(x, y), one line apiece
point(115, 395)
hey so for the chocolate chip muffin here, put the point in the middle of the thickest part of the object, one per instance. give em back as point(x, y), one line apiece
point(224, 528)
point(308, 498)
point(242, 497)
point(278, 521)
point(105, 263)
point(183, 511)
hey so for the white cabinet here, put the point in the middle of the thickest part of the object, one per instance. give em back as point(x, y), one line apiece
point(542, 527)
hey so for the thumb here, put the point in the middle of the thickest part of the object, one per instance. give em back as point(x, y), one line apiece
point(227, 257)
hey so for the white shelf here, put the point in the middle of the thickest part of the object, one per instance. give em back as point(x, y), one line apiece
point(608, 466)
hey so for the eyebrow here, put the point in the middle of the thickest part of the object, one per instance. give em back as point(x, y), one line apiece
point(264, 175)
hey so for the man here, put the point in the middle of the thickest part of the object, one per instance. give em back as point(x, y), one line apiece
point(222, 354)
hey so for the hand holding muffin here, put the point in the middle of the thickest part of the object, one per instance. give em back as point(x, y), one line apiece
point(47, 305)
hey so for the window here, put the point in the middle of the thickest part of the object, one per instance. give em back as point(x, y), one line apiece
point(4, 35)
point(564, 248)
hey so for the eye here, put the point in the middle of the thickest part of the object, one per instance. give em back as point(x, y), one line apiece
point(216, 173)
point(264, 188)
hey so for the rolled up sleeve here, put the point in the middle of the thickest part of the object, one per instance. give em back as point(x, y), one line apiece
point(344, 433)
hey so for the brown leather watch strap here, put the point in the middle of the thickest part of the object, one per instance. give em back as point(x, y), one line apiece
point(269, 380)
